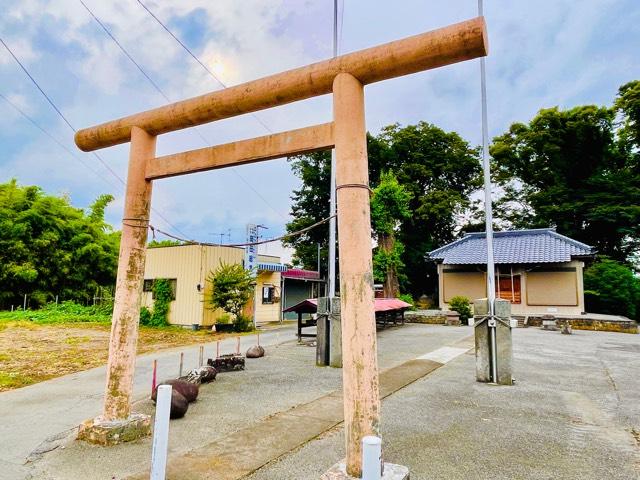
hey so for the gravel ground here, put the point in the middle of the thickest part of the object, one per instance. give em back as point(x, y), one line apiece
point(571, 415)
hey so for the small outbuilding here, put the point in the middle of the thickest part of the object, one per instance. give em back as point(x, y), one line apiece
point(539, 271)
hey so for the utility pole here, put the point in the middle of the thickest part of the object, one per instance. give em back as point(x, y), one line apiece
point(331, 271)
point(488, 212)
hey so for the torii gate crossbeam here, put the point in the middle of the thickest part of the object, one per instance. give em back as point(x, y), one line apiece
point(345, 77)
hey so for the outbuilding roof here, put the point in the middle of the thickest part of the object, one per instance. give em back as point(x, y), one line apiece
point(543, 245)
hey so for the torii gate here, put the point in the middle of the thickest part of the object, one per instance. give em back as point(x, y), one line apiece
point(345, 77)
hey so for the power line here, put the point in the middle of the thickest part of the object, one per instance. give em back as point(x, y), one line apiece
point(166, 97)
point(100, 159)
point(36, 84)
point(195, 57)
point(54, 139)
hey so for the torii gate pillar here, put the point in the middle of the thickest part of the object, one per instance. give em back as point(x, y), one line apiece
point(359, 350)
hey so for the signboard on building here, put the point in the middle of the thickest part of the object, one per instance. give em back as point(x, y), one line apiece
point(251, 251)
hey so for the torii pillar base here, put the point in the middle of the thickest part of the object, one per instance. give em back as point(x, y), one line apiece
point(391, 472)
point(112, 432)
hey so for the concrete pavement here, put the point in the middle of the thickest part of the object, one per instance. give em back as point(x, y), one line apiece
point(35, 413)
point(284, 379)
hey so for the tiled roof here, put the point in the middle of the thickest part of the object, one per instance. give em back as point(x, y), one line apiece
point(542, 245)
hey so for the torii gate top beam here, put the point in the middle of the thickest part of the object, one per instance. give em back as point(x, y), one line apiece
point(437, 48)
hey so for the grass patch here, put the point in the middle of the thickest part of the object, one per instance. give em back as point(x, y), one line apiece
point(77, 340)
point(9, 381)
point(65, 312)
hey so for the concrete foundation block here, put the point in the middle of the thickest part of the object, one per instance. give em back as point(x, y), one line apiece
point(502, 309)
point(335, 344)
point(391, 472)
point(112, 432)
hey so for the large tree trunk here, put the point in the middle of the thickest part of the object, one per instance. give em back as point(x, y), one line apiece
point(391, 286)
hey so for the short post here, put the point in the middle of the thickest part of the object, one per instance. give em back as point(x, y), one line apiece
point(181, 364)
point(24, 303)
point(56, 299)
point(218, 349)
point(359, 347)
point(238, 346)
point(161, 434)
point(154, 377)
point(201, 356)
point(371, 458)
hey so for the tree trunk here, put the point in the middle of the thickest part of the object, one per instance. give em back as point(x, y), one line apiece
point(391, 286)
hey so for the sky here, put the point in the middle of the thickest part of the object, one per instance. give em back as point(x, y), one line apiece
point(542, 54)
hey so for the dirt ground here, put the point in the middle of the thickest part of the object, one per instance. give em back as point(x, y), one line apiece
point(31, 353)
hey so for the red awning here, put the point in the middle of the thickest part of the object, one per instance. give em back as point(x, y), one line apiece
point(310, 305)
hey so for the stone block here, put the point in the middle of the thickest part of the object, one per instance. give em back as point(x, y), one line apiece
point(112, 432)
point(335, 344)
point(391, 472)
point(481, 307)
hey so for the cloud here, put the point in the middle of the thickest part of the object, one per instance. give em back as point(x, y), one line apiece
point(543, 54)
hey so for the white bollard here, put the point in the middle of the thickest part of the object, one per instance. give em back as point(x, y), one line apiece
point(161, 433)
point(371, 458)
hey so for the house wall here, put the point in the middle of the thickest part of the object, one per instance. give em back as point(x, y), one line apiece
point(554, 288)
point(190, 265)
point(268, 312)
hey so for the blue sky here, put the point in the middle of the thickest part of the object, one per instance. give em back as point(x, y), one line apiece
point(542, 54)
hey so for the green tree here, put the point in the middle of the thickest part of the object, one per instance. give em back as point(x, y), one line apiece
point(438, 169)
point(611, 287)
point(232, 288)
point(389, 206)
point(49, 248)
point(577, 170)
point(310, 203)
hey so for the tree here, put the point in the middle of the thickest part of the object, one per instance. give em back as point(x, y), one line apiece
point(310, 204)
point(232, 288)
point(611, 287)
point(437, 168)
point(49, 248)
point(577, 170)
point(389, 206)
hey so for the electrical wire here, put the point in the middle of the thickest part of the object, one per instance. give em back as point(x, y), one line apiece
point(247, 244)
point(195, 57)
point(59, 112)
point(166, 97)
point(55, 140)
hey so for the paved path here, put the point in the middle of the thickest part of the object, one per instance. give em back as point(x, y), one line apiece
point(32, 414)
point(247, 405)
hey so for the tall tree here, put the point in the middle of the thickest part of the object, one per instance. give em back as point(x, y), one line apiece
point(389, 206)
point(438, 169)
point(49, 248)
point(577, 170)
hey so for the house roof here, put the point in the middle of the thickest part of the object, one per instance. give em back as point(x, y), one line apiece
point(310, 305)
point(543, 245)
point(300, 274)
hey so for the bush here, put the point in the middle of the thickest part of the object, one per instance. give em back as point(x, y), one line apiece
point(224, 319)
point(460, 304)
point(159, 316)
point(612, 288)
point(232, 288)
point(242, 324)
point(406, 297)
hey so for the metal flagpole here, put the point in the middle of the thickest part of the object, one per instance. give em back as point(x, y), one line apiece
point(488, 212)
point(331, 271)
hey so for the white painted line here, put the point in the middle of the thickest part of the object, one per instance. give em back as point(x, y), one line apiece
point(443, 354)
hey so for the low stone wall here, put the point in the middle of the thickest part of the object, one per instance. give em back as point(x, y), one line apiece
point(425, 316)
point(587, 323)
point(432, 317)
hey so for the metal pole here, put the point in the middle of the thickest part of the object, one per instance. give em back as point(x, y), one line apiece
point(161, 434)
point(488, 211)
point(24, 303)
point(331, 271)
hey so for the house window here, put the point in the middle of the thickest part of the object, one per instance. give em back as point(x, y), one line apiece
point(508, 288)
point(147, 286)
point(268, 294)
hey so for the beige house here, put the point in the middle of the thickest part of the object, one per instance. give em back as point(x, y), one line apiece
point(187, 268)
point(539, 271)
